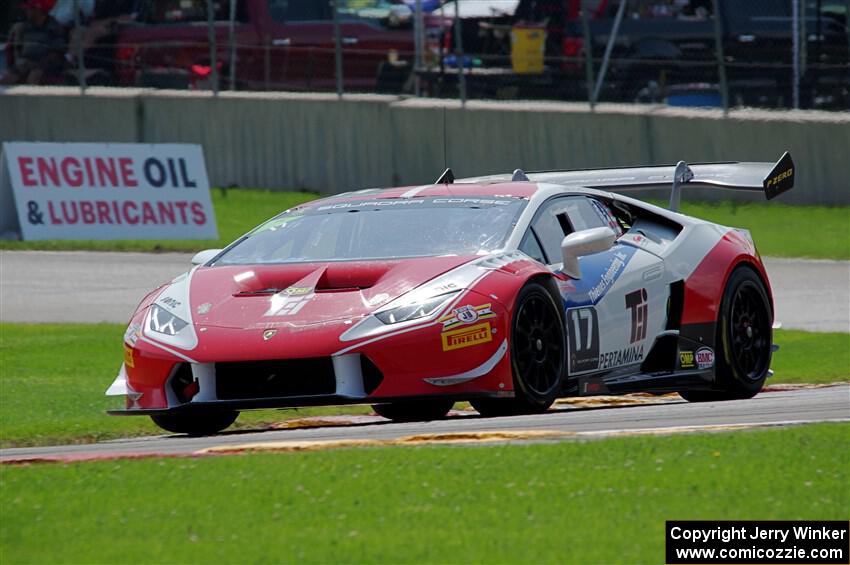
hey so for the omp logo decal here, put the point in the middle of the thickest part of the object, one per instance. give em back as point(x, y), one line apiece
point(466, 315)
point(467, 337)
point(686, 360)
point(636, 302)
point(781, 176)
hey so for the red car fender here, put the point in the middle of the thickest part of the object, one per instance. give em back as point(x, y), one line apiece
point(704, 287)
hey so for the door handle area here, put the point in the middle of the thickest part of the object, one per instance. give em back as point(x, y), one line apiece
point(281, 41)
point(350, 41)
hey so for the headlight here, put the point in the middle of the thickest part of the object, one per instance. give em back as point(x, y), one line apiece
point(416, 310)
point(164, 322)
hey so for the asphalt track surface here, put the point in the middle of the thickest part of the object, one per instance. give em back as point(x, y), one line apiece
point(667, 416)
point(82, 286)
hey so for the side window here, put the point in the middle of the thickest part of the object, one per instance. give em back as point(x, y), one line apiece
point(547, 226)
point(297, 10)
point(531, 247)
point(561, 217)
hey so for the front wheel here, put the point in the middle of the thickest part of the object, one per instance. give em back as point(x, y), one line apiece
point(538, 355)
point(744, 339)
point(195, 423)
point(414, 410)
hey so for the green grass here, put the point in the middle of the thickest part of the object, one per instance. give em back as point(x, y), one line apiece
point(602, 501)
point(779, 229)
point(53, 376)
point(52, 383)
point(236, 210)
point(807, 357)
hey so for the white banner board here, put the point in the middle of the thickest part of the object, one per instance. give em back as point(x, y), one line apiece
point(107, 191)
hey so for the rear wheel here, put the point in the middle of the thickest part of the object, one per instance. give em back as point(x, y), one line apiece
point(414, 410)
point(744, 338)
point(195, 423)
point(538, 354)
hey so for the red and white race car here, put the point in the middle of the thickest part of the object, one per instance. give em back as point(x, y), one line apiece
point(507, 291)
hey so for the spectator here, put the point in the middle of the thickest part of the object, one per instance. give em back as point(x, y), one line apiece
point(37, 46)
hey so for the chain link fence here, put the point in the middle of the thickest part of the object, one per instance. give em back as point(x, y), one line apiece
point(714, 53)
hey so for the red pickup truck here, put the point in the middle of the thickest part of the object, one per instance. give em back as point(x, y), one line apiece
point(280, 45)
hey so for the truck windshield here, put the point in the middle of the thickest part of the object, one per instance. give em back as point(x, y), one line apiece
point(383, 11)
point(380, 229)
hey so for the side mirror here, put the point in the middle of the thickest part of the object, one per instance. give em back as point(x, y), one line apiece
point(204, 256)
point(584, 242)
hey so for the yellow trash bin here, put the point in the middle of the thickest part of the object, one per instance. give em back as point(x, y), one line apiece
point(528, 44)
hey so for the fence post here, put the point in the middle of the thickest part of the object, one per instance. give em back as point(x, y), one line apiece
point(232, 33)
point(461, 78)
point(78, 48)
point(588, 58)
point(417, 46)
point(337, 49)
point(721, 58)
point(795, 37)
point(615, 29)
point(213, 50)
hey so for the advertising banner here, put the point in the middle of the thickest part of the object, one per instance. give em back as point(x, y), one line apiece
point(106, 191)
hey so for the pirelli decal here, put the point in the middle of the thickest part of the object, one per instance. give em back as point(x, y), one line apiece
point(781, 178)
point(467, 336)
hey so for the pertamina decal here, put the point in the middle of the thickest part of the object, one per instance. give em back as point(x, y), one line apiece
point(466, 315)
point(626, 356)
point(705, 358)
point(467, 336)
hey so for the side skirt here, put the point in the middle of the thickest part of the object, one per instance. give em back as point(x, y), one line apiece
point(647, 382)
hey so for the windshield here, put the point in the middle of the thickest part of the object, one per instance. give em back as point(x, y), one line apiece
point(379, 229)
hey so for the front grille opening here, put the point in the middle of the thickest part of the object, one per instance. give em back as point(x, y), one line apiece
point(275, 379)
point(372, 375)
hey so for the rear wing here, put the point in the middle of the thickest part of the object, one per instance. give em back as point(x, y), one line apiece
point(770, 178)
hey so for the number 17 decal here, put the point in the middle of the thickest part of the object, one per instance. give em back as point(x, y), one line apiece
point(583, 338)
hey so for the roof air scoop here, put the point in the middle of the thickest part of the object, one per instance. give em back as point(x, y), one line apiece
point(519, 176)
point(683, 174)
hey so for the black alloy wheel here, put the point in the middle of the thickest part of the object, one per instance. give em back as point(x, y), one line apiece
point(538, 355)
point(744, 340)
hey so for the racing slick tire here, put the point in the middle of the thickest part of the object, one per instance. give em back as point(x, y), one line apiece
point(195, 423)
point(538, 355)
point(414, 410)
point(745, 339)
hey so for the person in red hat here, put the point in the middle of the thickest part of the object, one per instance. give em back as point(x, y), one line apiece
point(37, 46)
